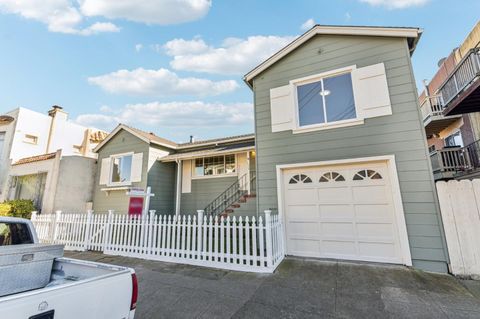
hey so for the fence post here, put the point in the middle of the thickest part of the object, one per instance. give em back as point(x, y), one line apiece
point(58, 214)
point(200, 213)
point(108, 227)
point(33, 217)
point(87, 229)
point(268, 237)
point(151, 227)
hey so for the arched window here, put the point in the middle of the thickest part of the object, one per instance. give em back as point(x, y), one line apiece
point(300, 178)
point(366, 174)
point(331, 177)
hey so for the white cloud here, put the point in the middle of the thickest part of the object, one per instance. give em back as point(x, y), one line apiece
point(173, 114)
point(235, 56)
point(138, 47)
point(307, 25)
point(68, 16)
point(162, 12)
point(161, 82)
point(396, 4)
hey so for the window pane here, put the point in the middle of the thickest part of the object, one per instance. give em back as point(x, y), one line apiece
point(310, 103)
point(199, 167)
point(122, 168)
point(218, 165)
point(339, 98)
point(208, 165)
point(116, 170)
point(230, 163)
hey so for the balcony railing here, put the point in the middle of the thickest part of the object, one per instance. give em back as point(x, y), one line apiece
point(431, 106)
point(454, 162)
point(463, 75)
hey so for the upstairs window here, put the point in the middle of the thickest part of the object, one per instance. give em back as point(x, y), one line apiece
point(30, 139)
point(215, 165)
point(121, 169)
point(326, 100)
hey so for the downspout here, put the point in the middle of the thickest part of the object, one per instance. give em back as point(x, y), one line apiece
point(178, 192)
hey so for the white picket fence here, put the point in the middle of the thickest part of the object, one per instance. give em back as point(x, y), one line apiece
point(244, 244)
point(460, 208)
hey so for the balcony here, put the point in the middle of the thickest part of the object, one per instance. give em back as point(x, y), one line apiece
point(432, 114)
point(456, 162)
point(461, 91)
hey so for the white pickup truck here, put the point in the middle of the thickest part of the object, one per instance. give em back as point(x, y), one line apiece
point(74, 289)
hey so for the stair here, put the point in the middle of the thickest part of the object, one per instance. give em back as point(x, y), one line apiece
point(233, 197)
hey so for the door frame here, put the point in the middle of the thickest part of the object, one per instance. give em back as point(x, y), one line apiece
point(394, 184)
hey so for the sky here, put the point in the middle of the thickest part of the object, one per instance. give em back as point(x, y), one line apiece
point(175, 67)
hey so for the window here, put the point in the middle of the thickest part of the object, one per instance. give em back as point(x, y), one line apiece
point(14, 234)
point(454, 140)
point(215, 165)
point(31, 139)
point(121, 169)
point(326, 100)
point(331, 177)
point(300, 178)
point(365, 174)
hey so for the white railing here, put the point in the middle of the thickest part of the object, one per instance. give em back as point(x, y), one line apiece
point(431, 106)
point(244, 244)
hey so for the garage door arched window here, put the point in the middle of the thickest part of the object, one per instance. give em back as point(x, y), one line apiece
point(365, 174)
point(300, 178)
point(332, 177)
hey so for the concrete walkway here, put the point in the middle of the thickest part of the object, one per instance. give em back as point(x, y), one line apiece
point(298, 289)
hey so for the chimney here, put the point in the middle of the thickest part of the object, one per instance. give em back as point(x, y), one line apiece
point(58, 116)
point(192, 139)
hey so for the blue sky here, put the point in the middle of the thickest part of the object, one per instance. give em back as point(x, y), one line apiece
point(149, 63)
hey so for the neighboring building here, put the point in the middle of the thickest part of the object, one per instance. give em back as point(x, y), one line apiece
point(450, 106)
point(341, 150)
point(36, 152)
point(184, 177)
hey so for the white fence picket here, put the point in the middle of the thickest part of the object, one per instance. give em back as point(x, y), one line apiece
point(244, 244)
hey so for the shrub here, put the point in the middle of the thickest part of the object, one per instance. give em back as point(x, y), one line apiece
point(17, 208)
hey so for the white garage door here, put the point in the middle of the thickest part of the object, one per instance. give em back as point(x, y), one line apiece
point(343, 212)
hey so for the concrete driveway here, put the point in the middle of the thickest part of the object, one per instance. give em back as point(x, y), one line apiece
point(298, 289)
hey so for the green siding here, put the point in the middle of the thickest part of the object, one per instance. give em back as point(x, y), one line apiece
point(401, 134)
point(161, 178)
point(204, 191)
point(117, 200)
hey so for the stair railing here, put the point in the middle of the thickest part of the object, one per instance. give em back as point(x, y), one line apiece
point(230, 196)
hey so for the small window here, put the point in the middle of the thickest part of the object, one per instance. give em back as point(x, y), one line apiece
point(216, 165)
point(300, 178)
point(454, 140)
point(366, 174)
point(327, 100)
point(331, 177)
point(121, 169)
point(30, 139)
point(14, 234)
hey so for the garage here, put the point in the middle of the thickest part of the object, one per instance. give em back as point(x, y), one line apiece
point(345, 211)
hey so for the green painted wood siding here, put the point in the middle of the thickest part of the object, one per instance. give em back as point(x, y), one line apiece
point(117, 200)
point(161, 178)
point(204, 190)
point(401, 134)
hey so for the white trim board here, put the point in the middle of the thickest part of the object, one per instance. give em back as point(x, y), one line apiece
point(396, 194)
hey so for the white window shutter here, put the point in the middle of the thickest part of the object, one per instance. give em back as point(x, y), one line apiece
point(104, 171)
point(137, 163)
point(370, 89)
point(282, 108)
point(187, 176)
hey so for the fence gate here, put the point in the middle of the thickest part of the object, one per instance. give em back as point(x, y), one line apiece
point(460, 209)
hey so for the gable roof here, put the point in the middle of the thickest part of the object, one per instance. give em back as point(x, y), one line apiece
point(154, 139)
point(144, 136)
point(412, 35)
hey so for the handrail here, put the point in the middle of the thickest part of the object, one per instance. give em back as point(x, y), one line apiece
point(461, 77)
point(457, 160)
point(431, 106)
point(231, 195)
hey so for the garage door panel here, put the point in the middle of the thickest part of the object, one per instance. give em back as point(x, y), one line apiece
point(337, 195)
point(339, 211)
point(338, 249)
point(351, 217)
point(303, 212)
point(302, 196)
point(370, 195)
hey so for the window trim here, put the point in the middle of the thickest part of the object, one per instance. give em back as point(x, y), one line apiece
point(30, 139)
point(327, 125)
point(195, 176)
point(110, 174)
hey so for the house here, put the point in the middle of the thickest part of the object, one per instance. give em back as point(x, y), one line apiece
point(341, 150)
point(216, 175)
point(450, 110)
point(43, 156)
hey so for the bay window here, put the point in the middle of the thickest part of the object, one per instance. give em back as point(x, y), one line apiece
point(215, 165)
